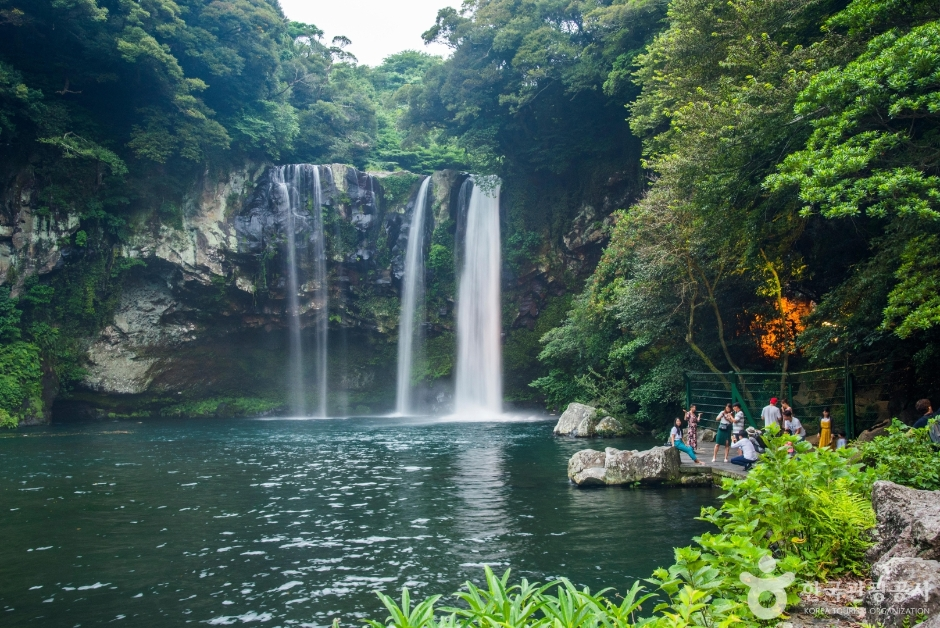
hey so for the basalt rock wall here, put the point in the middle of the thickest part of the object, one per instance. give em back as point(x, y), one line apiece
point(200, 323)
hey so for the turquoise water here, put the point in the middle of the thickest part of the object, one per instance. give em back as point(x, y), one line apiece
point(287, 522)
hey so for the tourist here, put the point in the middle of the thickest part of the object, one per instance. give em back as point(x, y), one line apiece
point(691, 420)
point(771, 414)
point(748, 453)
point(825, 429)
point(925, 410)
point(675, 439)
point(840, 440)
point(737, 430)
point(723, 437)
point(792, 425)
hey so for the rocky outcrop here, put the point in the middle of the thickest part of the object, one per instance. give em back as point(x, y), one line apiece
point(908, 522)
point(577, 420)
point(656, 466)
point(609, 427)
point(205, 315)
point(33, 239)
point(906, 568)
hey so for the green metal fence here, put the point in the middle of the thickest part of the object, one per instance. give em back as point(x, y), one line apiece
point(808, 392)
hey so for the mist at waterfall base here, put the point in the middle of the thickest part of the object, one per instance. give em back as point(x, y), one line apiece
point(228, 521)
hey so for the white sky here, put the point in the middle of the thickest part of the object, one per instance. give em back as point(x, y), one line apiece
point(377, 28)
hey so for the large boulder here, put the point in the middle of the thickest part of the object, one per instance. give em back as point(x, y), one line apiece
point(908, 522)
point(659, 465)
point(577, 420)
point(906, 570)
point(878, 430)
point(708, 435)
point(904, 589)
point(609, 426)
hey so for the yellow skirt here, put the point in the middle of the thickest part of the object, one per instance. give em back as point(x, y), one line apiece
point(825, 434)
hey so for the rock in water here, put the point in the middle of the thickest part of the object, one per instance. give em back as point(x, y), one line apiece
point(577, 420)
point(906, 569)
point(609, 426)
point(659, 465)
point(586, 468)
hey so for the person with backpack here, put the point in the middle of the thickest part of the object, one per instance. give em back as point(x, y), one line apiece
point(748, 450)
point(675, 440)
point(925, 408)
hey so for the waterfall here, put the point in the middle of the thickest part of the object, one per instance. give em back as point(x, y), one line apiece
point(412, 295)
point(284, 179)
point(321, 292)
point(298, 195)
point(479, 326)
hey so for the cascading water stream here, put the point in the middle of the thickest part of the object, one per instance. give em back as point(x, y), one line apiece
point(284, 180)
point(479, 353)
point(412, 295)
point(299, 197)
point(321, 293)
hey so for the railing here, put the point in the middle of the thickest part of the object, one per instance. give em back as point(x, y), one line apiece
point(808, 392)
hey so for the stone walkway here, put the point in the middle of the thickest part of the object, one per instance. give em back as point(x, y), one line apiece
point(704, 454)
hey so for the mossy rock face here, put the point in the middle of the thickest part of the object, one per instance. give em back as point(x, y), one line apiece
point(609, 427)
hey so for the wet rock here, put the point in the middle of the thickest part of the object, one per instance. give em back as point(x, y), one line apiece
point(587, 468)
point(659, 465)
point(576, 420)
point(654, 466)
point(609, 426)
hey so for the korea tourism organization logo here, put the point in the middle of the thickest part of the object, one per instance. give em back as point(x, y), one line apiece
point(776, 586)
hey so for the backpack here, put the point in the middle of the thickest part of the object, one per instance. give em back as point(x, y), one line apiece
point(934, 432)
point(759, 445)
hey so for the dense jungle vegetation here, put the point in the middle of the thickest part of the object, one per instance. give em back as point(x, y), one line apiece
point(778, 161)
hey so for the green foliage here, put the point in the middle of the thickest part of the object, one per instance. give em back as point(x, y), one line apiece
point(9, 317)
point(437, 359)
point(20, 382)
point(873, 150)
point(397, 188)
point(521, 350)
point(814, 505)
point(914, 303)
point(221, 406)
point(905, 456)
point(518, 67)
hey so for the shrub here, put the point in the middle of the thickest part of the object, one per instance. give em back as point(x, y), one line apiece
point(904, 455)
point(813, 505)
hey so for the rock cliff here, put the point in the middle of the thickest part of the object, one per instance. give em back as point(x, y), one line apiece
point(201, 316)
